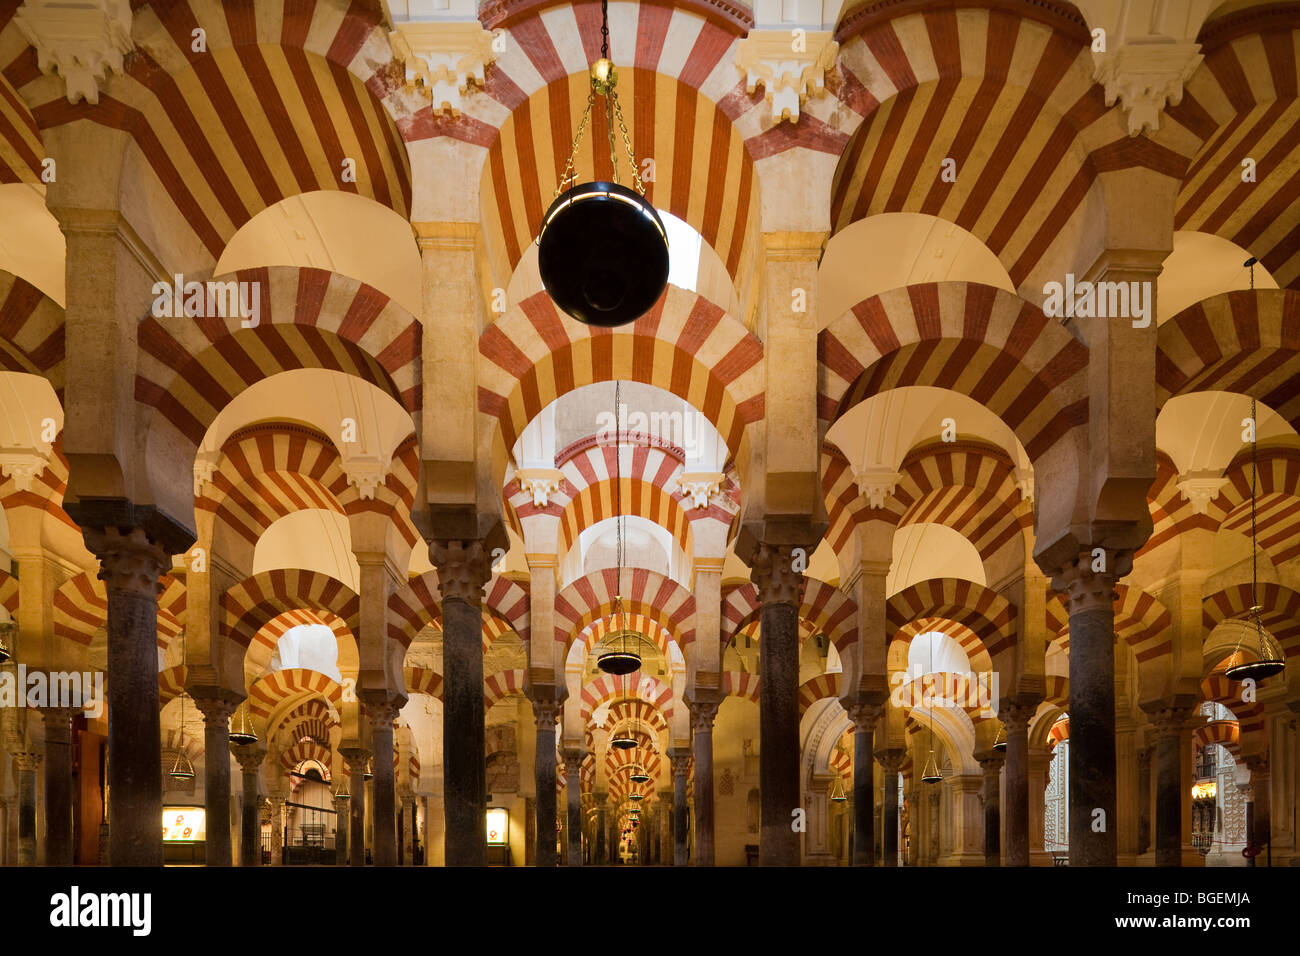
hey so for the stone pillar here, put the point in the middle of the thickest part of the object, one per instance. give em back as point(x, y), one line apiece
point(250, 829)
point(1169, 723)
point(680, 761)
point(342, 804)
point(1144, 800)
point(412, 838)
point(778, 763)
point(890, 761)
point(573, 800)
point(277, 798)
point(26, 762)
point(216, 706)
point(58, 786)
point(462, 572)
point(991, 764)
point(602, 835)
point(1258, 813)
point(130, 566)
point(1040, 762)
point(545, 708)
point(703, 714)
point(666, 827)
point(357, 759)
point(864, 717)
point(1015, 716)
point(381, 710)
point(1126, 793)
point(1090, 600)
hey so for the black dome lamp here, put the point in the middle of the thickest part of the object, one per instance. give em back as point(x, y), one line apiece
point(602, 250)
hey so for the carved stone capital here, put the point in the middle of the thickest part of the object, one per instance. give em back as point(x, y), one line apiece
point(864, 716)
point(81, 42)
point(250, 756)
point(703, 714)
point(772, 572)
point(1200, 488)
point(790, 65)
point(1089, 583)
point(463, 570)
point(876, 484)
point(680, 761)
point(1169, 721)
point(540, 484)
point(1144, 77)
point(216, 704)
point(130, 561)
point(1016, 715)
point(991, 763)
point(443, 59)
point(890, 760)
point(382, 708)
point(546, 709)
point(22, 465)
point(357, 760)
point(365, 475)
point(27, 760)
point(701, 486)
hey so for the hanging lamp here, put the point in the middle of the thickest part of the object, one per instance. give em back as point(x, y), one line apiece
point(621, 651)
point(602, 250)
point(242, 731)
point(636, 796)
point(182, 766)
point(1270, 659)
point(7, 631)
point(639, 776)
point(837, 792)
point(1000, 741)
point(930, 772)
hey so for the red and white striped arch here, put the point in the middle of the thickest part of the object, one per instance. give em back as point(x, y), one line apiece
point(685, 345)
point(1141, 621)
point(740, 684)
point(634, 686)
point(48, 487)
point(1225, 733)
point(81, 608)
point(1218, 689)
point(1280, 612)
point(502, 684)
point(31, 323)
point(1171, 512)
point(648, 627)
point(998, 93)
point(283, 94)
point(262, 607)
point(419, 605)
point(591, 598)
point(822, 608)
point(991, 617)
point(1277, 504)
point(637, 711)
point(190, 369)
point(985, 343)
point(1244, 342)
point(21, 149)
point(1241, 102)
point(312, 718)
point(171, 683)
point(302, 751)
point(818, 688)
point(280, 690)
point(967, 639)
point(422, 680)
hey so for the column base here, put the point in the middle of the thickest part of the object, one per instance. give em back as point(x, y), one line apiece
point(971, 858)
point(1041, 858)
point(821, 858)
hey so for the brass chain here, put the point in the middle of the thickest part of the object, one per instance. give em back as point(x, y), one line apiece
point(570, 176)
point(627, 141)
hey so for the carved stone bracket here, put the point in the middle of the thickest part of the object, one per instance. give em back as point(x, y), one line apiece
point(790, 65)
point(700, 486)
point(463, 570)
point(773, 573)
point(128, 561)
point(1089, 583)
point(443, 59)
point(540, 483)
point(876, 484)
point(1200, 488)
point(82, 42)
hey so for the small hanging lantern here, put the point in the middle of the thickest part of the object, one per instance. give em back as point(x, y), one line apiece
point(1269, 658)
point(242, 731)
point(639, 776)
point(837, 792)
point(623, 740)
point(369, 772)
point(182, 767)
point(602, 249)
point(636, 796)
point(1000, 742)
point(621, 653)
point(342, 792)
point(930, 773)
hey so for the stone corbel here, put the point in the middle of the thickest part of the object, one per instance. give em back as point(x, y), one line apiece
point(81, 42)
point(876, 484)
point(540, 483)
point(205, 466)
point(443, 59)
point(701, 486)
point(1024, 479)
point(790, 65)
point(22, 465)
point(1145, 77)
point(366, 475)
point(1200, 488)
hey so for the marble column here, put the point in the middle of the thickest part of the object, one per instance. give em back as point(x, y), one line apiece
point(703, 714)
point(1089, 587)
point(1169, 723)
point(462, 571)
point(1015, 717)
point(381, 710)
point(1260, 808)
point(545, 709)
point(778, 585)
point(666, 827)
point(1144, 800)
point(357, 759)
point(890, 761)
point(216, 706)
point(130, 566)
point(26, 762)
point(58, 786)
point(991, 764)
point(250, 759)
point(864, 717)
point(679, 759)
point(573, 801)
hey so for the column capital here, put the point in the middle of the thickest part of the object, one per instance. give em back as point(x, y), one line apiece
point(772, 571)
point(1169, 720)
point(356, 758)
point(703, 714)
point(217, 704)
point(680, 761)
point(573, 759)
point(130, 562)
point(382, 707)
point(546, 710)
point(58, 722)
point(250, 756)
point(991, 763)
point(864, 715)
point(463, 570)
point(1016, 714)
point(890, 760)
point(27, 760)
point(1089, 581)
